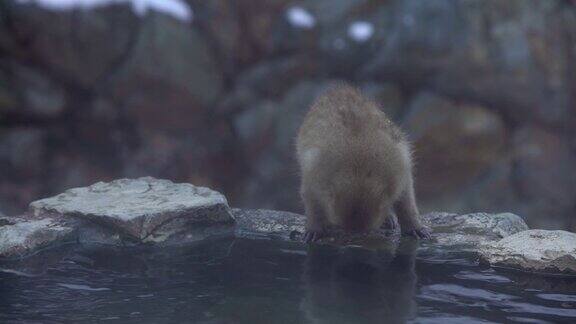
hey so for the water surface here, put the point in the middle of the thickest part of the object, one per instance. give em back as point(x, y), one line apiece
point(268, 281)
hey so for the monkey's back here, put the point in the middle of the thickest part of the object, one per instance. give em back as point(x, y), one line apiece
point(345, 125)
point(351, 154)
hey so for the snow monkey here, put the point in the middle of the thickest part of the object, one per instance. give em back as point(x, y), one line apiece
point(356, 167)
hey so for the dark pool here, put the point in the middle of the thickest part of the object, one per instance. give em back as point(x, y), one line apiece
point(269, 281)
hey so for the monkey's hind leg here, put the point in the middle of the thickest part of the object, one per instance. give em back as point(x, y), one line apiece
point(316, 220)
point(408, 215)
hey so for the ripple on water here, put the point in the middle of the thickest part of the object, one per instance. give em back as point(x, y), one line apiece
point(82, 287)
point(558, 297)
point(485, 276)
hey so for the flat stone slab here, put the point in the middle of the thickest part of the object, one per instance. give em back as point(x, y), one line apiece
point(472, 230)
point(19, 237)
point(138, 208)
point(268, 222)
point(540, 251)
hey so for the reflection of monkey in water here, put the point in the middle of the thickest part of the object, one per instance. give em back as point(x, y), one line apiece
point(356, 167)
point(354, 285)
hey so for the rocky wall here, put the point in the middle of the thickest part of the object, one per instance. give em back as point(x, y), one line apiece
point(484, 88)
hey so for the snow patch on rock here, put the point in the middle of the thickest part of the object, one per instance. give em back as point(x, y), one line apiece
point(361, 31)
point(176, 8)
point(300, 17)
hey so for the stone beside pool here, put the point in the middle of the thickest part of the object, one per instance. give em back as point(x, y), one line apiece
point(469, 231)
point(268, 222)
point(20, 237)
point(151, 211)
point(137, 210)
point(534, 250)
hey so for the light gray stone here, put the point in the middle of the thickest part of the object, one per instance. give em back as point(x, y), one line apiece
point(268, 222)
point(20, 237)
point(534, 250)
point(141, 208)
point(472, 230)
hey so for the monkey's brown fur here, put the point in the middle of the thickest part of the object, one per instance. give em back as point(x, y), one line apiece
point(355, 165)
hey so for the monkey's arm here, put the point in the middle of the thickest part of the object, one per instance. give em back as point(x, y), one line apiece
point(408, 215)
point(316, 220)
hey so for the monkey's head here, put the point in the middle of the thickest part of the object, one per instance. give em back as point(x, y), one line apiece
point(361, 205)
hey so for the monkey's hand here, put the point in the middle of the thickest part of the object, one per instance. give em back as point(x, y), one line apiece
point(391, 224)
point(420, 233)
point(313, 235)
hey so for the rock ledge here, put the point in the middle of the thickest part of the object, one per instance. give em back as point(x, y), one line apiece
point(469, 231)
point(137, 208)
point(534, 250)
point(148, 210)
